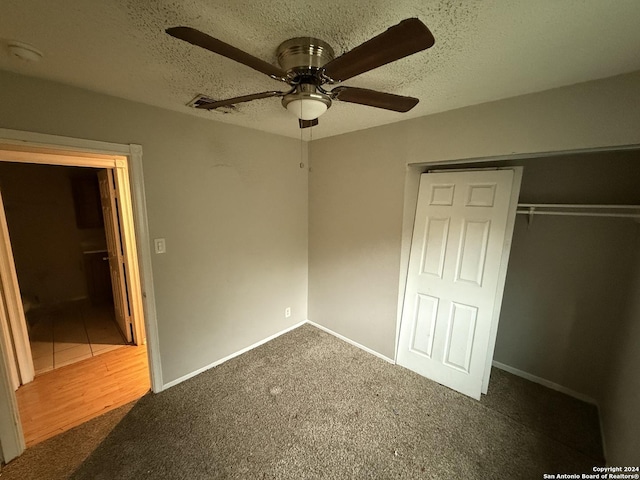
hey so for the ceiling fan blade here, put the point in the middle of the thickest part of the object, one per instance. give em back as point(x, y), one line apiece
point(401, 40)
point(373, 98)
point(244, 98)
point(196, 37)
point(308, 123)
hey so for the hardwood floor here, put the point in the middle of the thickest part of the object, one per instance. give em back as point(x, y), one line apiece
point(66, 397)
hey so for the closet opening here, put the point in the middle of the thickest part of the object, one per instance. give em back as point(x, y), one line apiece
point(569, 295)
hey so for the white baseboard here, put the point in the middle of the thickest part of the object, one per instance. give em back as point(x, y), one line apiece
point(229, 357)
point(355, 344)
point(265, 340)
point(546, 383)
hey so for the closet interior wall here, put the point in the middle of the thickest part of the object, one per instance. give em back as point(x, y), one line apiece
point(620, 402)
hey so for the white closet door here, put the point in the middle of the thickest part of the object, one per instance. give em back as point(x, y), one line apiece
point(454, 275)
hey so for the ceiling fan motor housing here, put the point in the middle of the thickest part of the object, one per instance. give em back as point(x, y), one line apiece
point(304, 56)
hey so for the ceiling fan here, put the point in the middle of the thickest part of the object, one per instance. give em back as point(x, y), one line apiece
point(307, 65)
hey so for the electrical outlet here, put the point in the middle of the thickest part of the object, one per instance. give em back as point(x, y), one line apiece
point(287, 312)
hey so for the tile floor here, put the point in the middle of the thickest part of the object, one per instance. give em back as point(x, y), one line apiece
point(71, 333)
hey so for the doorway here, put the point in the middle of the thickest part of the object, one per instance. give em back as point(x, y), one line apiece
point(64, 235)
point(28, 148)
point(55, 223)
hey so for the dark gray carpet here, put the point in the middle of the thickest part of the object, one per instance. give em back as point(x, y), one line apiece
point(307, 405)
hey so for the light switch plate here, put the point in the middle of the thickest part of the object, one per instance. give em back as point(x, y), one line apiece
point(159, 245)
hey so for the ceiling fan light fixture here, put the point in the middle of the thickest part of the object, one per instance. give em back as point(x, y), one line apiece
point(306, 103)
point(307, 108)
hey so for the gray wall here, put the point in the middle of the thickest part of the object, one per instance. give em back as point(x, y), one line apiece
point(231, 203)
point(355, 208)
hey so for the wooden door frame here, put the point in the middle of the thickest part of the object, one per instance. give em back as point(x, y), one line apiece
point(126, 161)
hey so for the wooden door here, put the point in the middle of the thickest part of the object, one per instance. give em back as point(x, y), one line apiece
point(115, 250)
point(458, 245)
point(98, 275)
point(13, 323)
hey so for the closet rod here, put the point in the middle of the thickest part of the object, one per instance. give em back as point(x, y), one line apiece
point(580, 214)
point(573, 205)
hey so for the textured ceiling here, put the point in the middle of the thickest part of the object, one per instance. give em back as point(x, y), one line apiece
point(485, 50)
